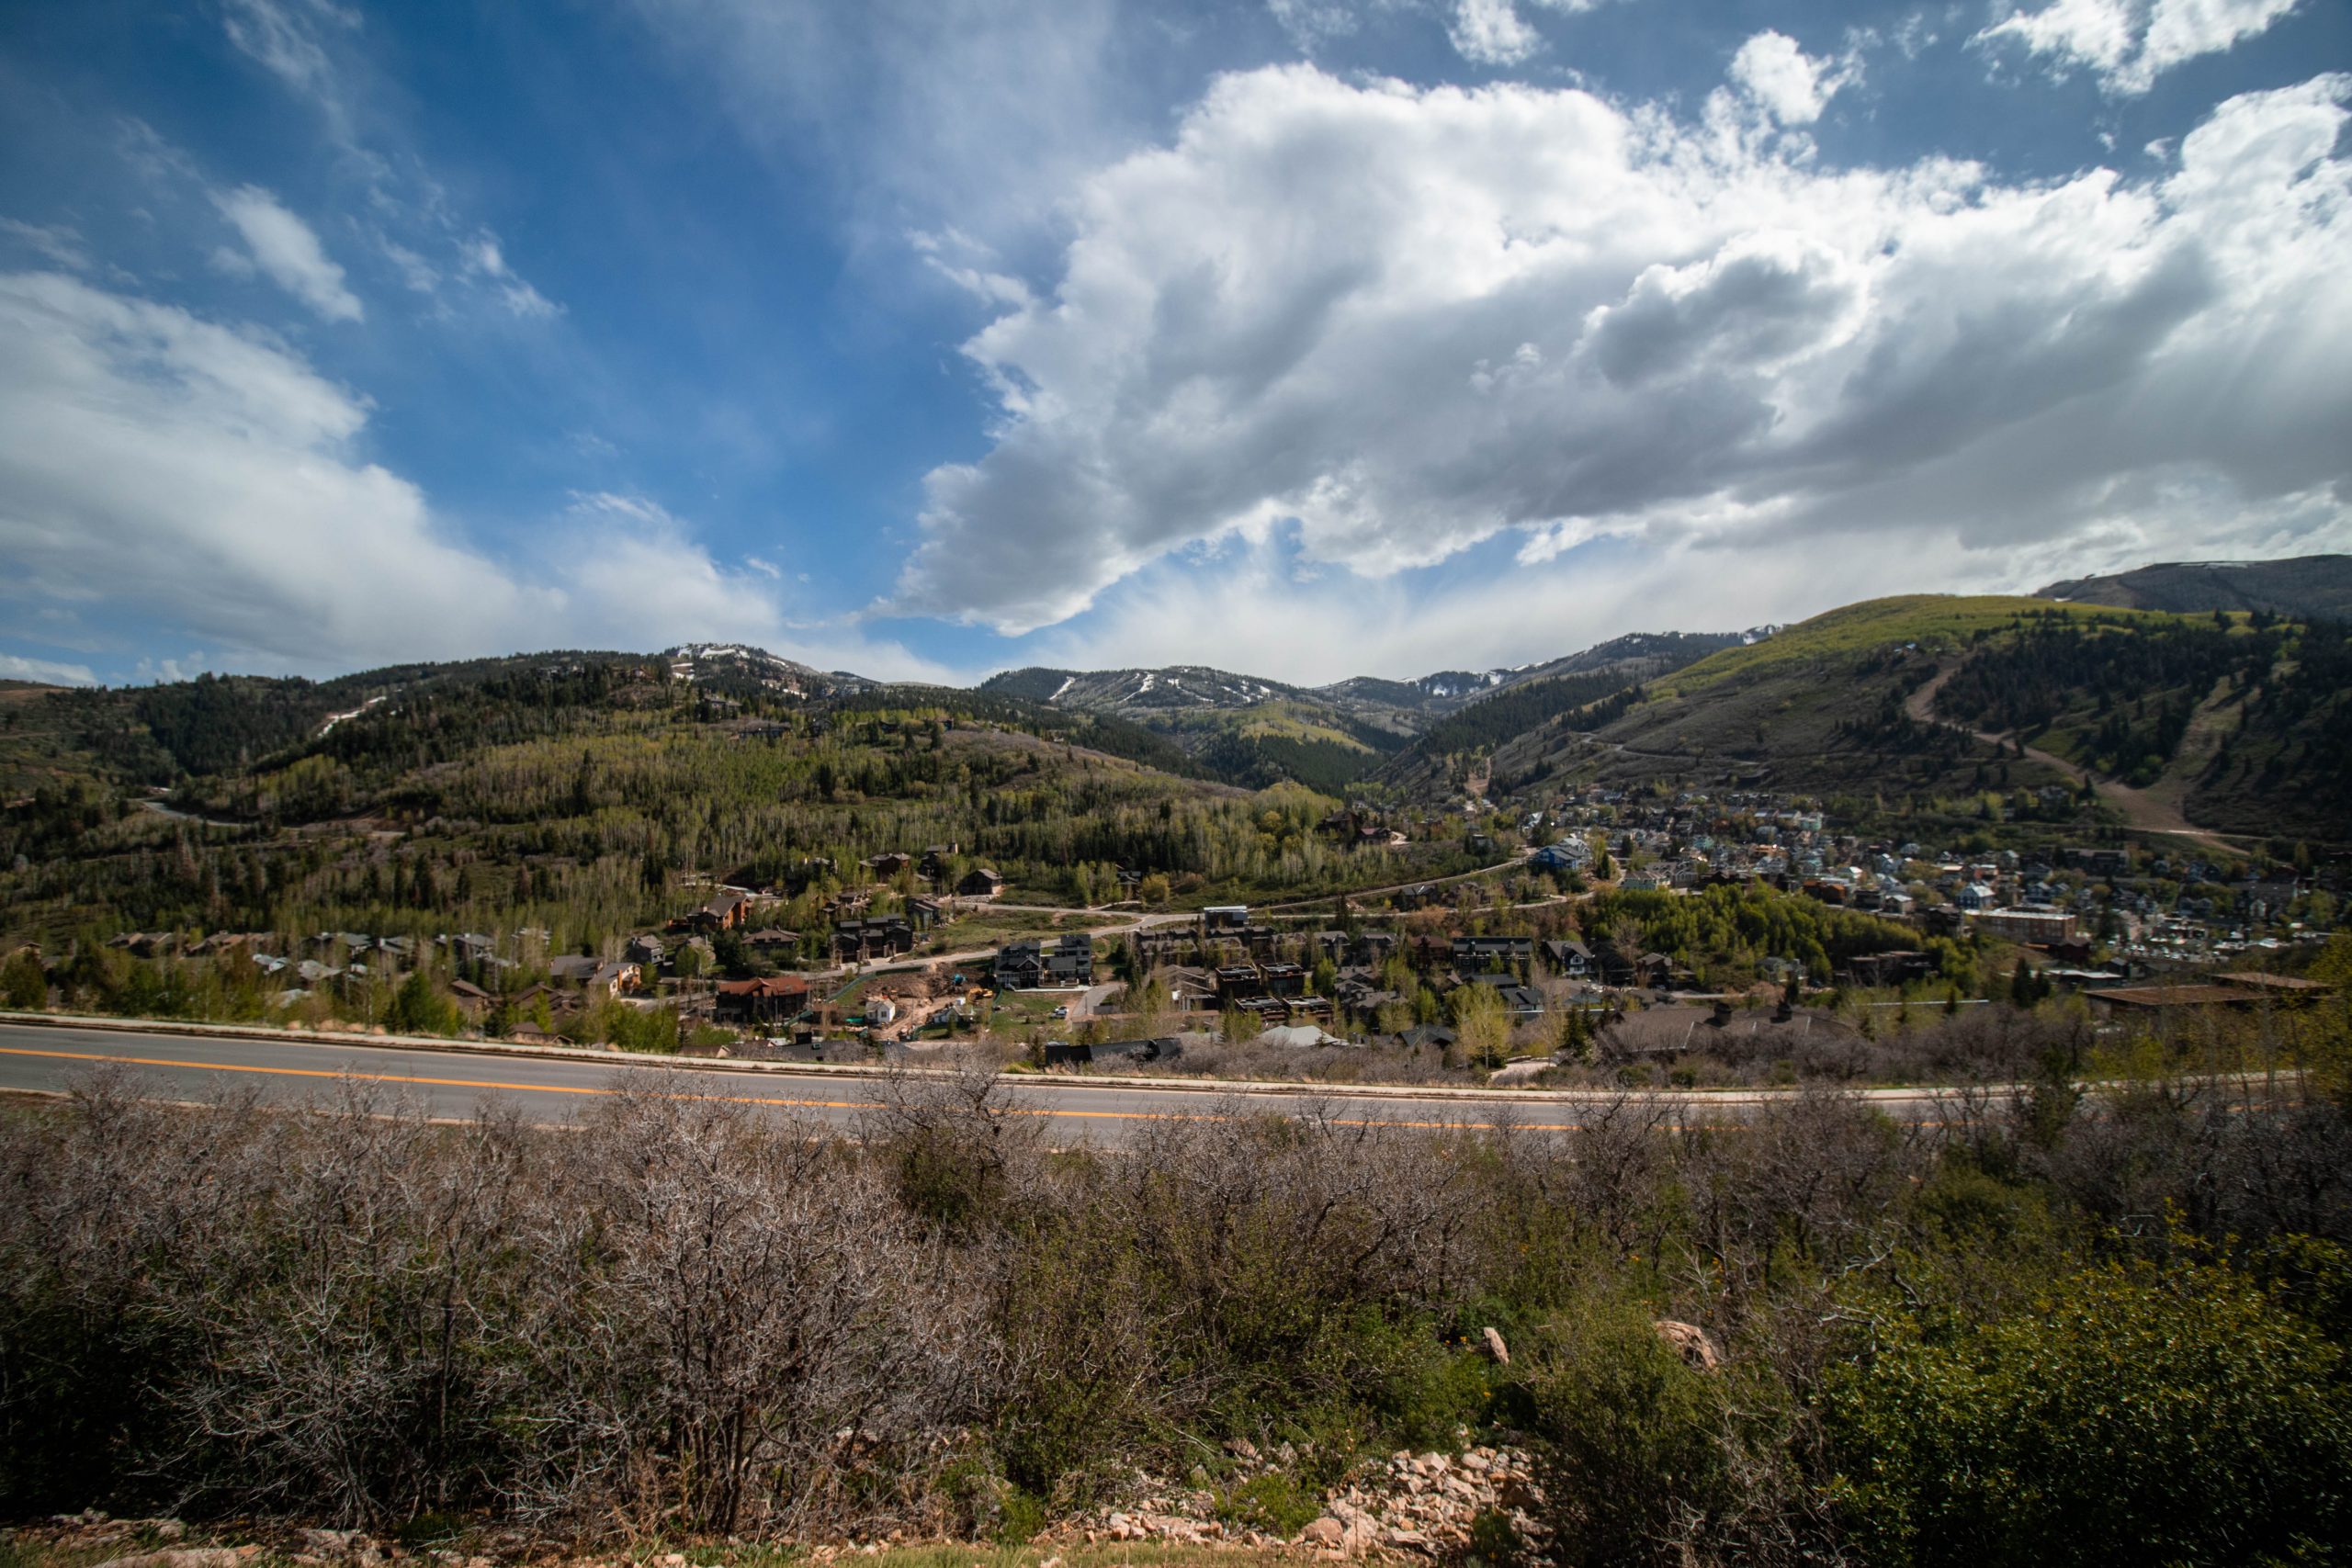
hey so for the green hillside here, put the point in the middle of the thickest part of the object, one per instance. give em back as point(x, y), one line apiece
point(2234, 724)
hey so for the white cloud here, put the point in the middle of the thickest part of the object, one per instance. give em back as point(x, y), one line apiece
point(1411, 321)
point(59, 243)
point(2129, 43)
point(159, 466)
point(485, 260)
point(47, 671)
point(309, 45)
point(289, 39)
point(1789, 85)
point(287, 249)
point(1490, 32)
point(913, 110)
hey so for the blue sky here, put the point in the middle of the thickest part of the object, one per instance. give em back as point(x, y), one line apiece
point(1302, 337)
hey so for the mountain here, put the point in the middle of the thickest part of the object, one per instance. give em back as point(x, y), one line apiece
point(1249, 730)
point(2175, 721)
point(1133, 691)
point(734, 669)
point(2306, 587)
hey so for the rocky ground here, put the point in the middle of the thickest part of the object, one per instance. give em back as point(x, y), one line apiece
point(1429, 1505)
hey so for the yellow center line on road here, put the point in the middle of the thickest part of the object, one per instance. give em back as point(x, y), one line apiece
point(718, 1099)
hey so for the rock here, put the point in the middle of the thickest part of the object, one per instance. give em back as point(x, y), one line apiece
point(1497, 1348)
point(1475, 1462)
point(168, 1529)
point(1325, 1532)
point(1243, 1449)
point(180, 1557)
point(1690, 1342)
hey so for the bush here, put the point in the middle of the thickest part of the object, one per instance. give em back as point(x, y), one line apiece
point(1634, 1437)
point(2135, 1415)
point(23, 987)
point(1274, 1503)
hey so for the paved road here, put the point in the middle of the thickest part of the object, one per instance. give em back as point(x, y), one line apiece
point(47, 1058)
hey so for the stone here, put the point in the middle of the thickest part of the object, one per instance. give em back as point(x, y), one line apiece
point(1497, 1348)
point(1690, 1342)
point(181, 1557)
point(1326, 1532)
point(1243, 1449)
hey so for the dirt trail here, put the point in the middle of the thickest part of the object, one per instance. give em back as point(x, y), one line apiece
point(2140, 809)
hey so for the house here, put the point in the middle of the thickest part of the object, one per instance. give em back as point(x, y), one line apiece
point(1521, 1001)
point(1283, 979)
point(877, 936)
point(980, 882)
point(774, 998)
point(1034, 964)
point(471, 1000)
point(1475, 954)
point(2157, 1002)
point(646, 948)
point(571, 968)
point(1235, 981)
point(1569, 958)
point(724, 913)
point(772, 940)
point(1189, 991)
point(888, 864)
point(2043, 928)
point(1569, 855)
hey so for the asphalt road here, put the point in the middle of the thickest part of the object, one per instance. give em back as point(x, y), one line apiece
point(458, 1085)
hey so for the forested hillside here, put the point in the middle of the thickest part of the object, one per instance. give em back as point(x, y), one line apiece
point(571, 797)
point(2240, 722)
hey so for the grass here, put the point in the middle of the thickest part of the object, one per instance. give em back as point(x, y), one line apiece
point(1928, 619)
point(29, 1550)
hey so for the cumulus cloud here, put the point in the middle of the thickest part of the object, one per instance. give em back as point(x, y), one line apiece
point(1490, 32)
point(1788, 84)
point(288, 251)
point(153, 462)
point(1398, 323)
point(2129, 43)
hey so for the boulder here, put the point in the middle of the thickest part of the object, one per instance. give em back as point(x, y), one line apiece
point(1689, 1341)
point(1497, 1348)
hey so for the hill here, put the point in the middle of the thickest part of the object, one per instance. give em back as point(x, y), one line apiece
point(1251, 731)
point(2305, 587)
point(1239, 728)
point(2227, 724)
point(1454, 749)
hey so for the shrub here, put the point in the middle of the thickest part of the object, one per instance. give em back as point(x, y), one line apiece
point(2135, 1415)
point(1634, 1437)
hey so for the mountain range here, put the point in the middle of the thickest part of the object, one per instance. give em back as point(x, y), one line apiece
point(2237, 723)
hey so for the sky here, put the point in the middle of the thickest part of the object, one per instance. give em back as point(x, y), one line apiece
point(1304, 338)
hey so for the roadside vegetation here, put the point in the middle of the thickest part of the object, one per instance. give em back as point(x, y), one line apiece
point(2067, 1329)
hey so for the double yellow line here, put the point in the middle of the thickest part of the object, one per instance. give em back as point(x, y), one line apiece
point(779, 1101)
